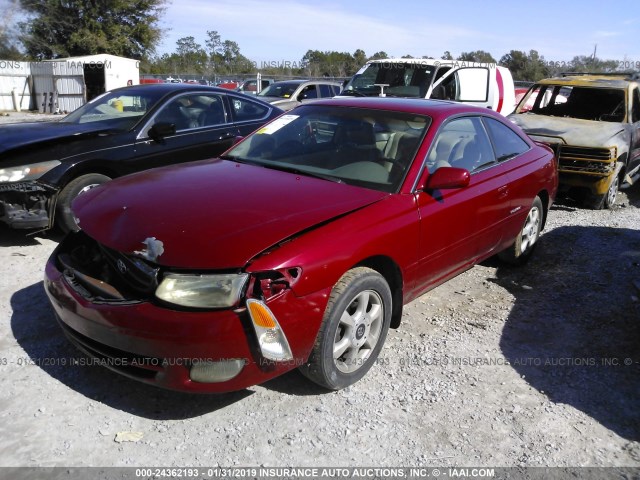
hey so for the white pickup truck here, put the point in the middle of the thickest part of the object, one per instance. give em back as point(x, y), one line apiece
point(482, 84)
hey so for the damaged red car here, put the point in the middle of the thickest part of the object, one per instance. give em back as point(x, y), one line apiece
point(298, 247)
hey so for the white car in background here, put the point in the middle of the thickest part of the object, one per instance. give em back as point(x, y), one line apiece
point(291, 93)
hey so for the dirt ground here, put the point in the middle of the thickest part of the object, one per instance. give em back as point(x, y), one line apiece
point(502, 366)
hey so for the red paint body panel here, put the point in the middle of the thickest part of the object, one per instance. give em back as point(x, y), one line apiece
point(222, 215)
point(388, 228)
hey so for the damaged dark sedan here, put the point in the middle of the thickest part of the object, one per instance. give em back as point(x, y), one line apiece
point(45, 165)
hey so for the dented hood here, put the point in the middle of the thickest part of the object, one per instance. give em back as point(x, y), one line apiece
point(214, 214)
point(571, 131)
point(16, 135)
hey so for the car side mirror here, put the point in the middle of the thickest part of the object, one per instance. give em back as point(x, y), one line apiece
point(448, 178)
point(161, 130)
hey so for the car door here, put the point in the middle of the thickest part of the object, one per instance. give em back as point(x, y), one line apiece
point(516, 164)
point(462, 224)
point(466, 85)
point(203, 129)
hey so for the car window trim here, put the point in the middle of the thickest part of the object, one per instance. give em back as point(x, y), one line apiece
point(245, 98)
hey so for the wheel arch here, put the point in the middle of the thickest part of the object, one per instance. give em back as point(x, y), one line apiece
point(83, 168)
point(391, 272)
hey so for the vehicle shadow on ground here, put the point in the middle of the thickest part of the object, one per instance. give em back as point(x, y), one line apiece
point(294, 383)
point(22, 238)
point(36, 330)
point(573, 332)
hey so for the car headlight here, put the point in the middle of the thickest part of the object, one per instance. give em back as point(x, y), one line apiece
point(202, 291)
point(26, 172)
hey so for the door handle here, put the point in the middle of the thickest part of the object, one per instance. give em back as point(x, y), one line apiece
point(226, 136)
point(503, 191)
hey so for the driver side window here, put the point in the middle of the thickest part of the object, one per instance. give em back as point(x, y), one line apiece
point(309, 92)
point(461, 143)
point(175, 113)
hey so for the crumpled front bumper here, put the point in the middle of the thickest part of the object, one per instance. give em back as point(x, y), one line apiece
point(158, 345)
point(25, 205)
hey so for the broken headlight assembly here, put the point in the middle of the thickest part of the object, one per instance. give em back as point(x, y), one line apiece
point(265, 286)
point(202, 291)
point(32, 171)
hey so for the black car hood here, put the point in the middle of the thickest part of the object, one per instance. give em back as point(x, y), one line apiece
point(16, 135)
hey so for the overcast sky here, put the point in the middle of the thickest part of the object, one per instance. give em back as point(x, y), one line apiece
point(285, 30)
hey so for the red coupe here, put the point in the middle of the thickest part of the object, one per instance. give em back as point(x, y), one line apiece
point(298, 247)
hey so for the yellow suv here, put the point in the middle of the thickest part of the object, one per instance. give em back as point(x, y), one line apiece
point(592, 122)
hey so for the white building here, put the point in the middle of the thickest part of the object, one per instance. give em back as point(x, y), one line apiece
point(63, 84)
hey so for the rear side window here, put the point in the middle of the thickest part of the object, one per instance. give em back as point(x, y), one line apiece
point(244, 109)
point(326, 91)
point(506, 143)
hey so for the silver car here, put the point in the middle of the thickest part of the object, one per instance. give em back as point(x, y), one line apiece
point(291, 93)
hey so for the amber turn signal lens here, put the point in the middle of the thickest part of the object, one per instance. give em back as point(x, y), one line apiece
point(260, 315)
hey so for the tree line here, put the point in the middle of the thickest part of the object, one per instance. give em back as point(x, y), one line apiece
point(130, 28)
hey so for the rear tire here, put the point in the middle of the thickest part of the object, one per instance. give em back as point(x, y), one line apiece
point(353, 330)
point(64, 216)
point(522, 249)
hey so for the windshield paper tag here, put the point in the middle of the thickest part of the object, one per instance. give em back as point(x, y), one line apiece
point(277, 124)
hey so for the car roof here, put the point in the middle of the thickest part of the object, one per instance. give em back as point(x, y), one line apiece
point(168, 88)
point(301, 81)
point(621, 80)
point(419, 61)
point(172, 87)
point(419, 106)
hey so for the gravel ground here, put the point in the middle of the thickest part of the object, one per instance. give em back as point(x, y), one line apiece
point(502, 366)
point(12, 117)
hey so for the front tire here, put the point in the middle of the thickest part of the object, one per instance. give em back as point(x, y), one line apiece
point(64, 216)
point(522, 249)
point(353, 330)
point(608, 200)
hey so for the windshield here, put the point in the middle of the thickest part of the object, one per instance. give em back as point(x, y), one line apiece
point(281, 90)
point(368, 148)
point(119, 110)
point(587, 103)
point(397, 79)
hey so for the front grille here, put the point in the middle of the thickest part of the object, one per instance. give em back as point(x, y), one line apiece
point(136, 366)
point(586, 160)
point(22, 187)
point(103, 275)
point(134, 272)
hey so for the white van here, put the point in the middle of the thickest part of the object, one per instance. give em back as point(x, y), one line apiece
point(482, 84)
